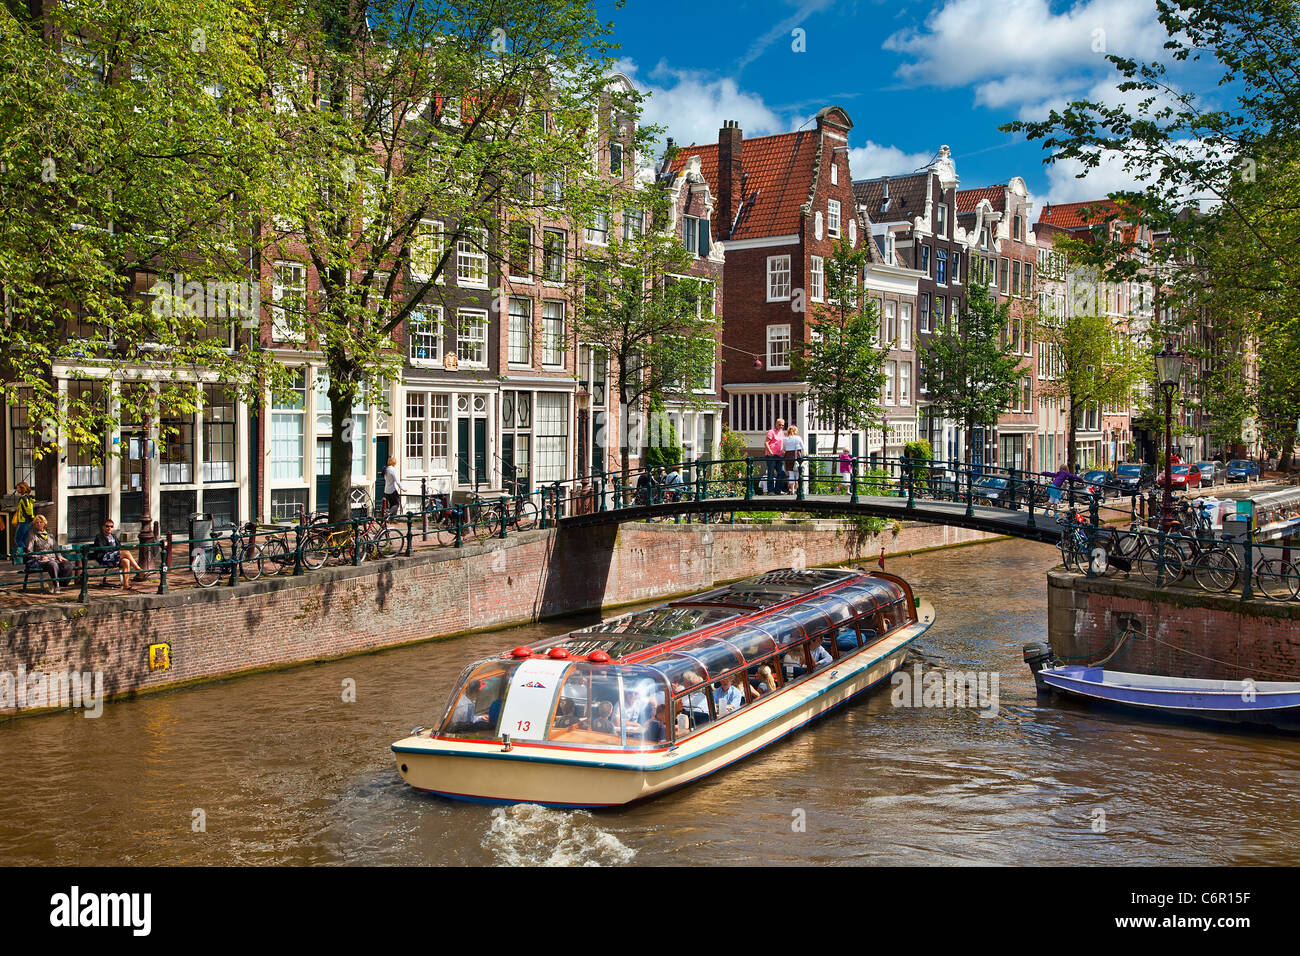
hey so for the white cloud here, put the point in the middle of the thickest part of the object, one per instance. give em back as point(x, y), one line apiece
point(1014, 46)
point(693, 108)
point(1106, 93)
point(1111, 176)
point(873, 160)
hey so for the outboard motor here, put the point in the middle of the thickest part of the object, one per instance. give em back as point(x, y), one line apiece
point(1039, 655)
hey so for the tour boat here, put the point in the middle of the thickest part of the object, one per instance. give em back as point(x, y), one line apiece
point(658, 698)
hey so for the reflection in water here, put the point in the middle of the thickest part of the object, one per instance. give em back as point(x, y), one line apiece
point(284, 771)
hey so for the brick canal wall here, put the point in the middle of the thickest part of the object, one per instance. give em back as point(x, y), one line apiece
point(274, 622)
point(1176, 633)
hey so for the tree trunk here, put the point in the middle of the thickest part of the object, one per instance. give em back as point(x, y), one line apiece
point(341, 426)
point(1071, 441)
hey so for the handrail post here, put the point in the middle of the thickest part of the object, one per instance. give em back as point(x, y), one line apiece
point(356, 541)
point(297, 550)
point(84, 596)
point(164, 559)
point(424, 513)
point(600, 492)
point(1095, 508)
point(910, 466)
point(234, 556)
point(853, 481)
point(1031, 494)
point(970, 492)
point(749, 478)
point(1247, 588)
point(460, 525)
point(798, 477)
point(505, 516)
point(1161, 538)
point(410, 533)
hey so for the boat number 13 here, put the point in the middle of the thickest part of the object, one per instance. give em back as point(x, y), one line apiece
point(523, 725)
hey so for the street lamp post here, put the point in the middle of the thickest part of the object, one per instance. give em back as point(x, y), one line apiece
point(1169, 367)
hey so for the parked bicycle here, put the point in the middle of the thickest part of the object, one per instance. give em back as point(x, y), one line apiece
point(322, 543)
point(212, 561)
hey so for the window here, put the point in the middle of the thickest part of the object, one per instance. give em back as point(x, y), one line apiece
point(86, 459)
point(553, 189)
point(891, 373)
point(942, 220)
point(778, 279)
point(176, 449)
point(520, 252)
point(1029, 279)
point(288, 301)
point(778, 346)
point(471, 259)
point(428, 419)
point(833, 218)
point(890, 250)
point(905, 383)
point(520, 349)
point(471, 337)
point(552, 436)
point(835, 174)
point(426, 249)
point(1018, 231)
point(288, 410)
point(415, 434)
point(598, 231)
point(940, 309)
point(817, 273)
point(905, 326)
point(1015, 277)
point(553, 255)
point(941, 266)
point(425, 329)
point(956, 267)
point(632, 224)
point(891, 322)
point(552, 333)
point(1005, 282)
point(925, 312)
point(616, 159)
point(22, 438)
point(695, 235)
point(925, 259)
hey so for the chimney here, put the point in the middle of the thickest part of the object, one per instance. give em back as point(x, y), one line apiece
point(884, 200)
point(730, 171)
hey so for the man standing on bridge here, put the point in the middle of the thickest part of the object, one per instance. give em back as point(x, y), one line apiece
point(776, 459)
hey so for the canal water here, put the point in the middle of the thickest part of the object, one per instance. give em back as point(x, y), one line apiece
point(279, 769)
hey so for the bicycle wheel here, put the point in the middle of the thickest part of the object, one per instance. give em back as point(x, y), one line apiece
point(250, 566)
point(446, 528)
point(390, 542)
point(1217, 569)
point(1147, 563)
point(1127, 544)
point(525, 518)
point(207, 563)
point(1072, 559)
point(315, 548)
point(1278, 579)
point(274, 556)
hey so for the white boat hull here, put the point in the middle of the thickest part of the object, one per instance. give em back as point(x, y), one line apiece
point(559, 776)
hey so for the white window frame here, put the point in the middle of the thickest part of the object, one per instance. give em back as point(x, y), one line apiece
point(552, 342)
point(833, 218)
point(778, 278)
point(511, 317)
point(418, 336)
point(905, 326)
point(595, 236)
point(777, 335)
point(816, 278)
point(419, 257)
point(905, 383)
point(471, 337)
point(472, 259)
point(280, 330)
point(510, 239)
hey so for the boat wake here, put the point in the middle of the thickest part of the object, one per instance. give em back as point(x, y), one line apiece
point(526, 834)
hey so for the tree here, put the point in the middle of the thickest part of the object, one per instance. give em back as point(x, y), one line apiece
point(842, 359)
point(1094, 365)
point(972, 375)
point(1278, 393)
point(657, 326)
point(129, 133)
point(409, 136)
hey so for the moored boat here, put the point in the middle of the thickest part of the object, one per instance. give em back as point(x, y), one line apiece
point(656, 699)
point(1273, 704)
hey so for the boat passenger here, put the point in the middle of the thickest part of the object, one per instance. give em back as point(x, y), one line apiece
point(604, 720)
point(695, 702)
point(820, 655)
point(727, 697)
point(764, 682)
point(466, 715)
point(656, 729)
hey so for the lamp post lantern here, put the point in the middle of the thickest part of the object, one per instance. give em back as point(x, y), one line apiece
point(1169, 368)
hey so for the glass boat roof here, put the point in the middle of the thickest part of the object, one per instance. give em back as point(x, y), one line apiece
point(640, 630)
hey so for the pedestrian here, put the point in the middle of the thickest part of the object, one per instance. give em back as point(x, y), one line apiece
point(792, 446)
point(23, 516)
point(775, 443)
point(108, 552)
point(846, 468)
point(1055, 490)
point(393, 490)
point(43, 553)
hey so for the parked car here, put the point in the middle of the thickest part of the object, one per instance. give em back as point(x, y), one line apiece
point(1181, 478)
point(1101, 483)
point(1134, 477)
point(1239, 469)
point(1211, 473)
point(992, 490)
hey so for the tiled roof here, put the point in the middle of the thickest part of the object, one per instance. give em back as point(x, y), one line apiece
point(1070, 215)
point(969, 199)
point(906, 196)
point(778, 177)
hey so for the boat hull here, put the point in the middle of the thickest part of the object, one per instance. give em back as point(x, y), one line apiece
point(1274, 705)
point(483, 771)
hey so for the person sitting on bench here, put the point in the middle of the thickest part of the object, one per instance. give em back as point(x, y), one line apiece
point(43, 553)
point(108, 552)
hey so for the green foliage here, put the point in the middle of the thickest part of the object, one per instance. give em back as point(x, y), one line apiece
point(919, 449)
point(842, 361)
point(971, 375)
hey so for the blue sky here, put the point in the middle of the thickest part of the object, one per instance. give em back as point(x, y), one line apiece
point(912, 75)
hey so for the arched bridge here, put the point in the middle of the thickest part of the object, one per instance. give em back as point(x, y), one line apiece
point(997, 501)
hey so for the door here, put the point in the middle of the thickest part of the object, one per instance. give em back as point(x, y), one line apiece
point(322, 474)
point(381, 462)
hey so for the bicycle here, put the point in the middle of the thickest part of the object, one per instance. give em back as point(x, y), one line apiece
point(521, 513)
point(379, 539)
point(320, 543)
point(210, 563)
point(1278, 579)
